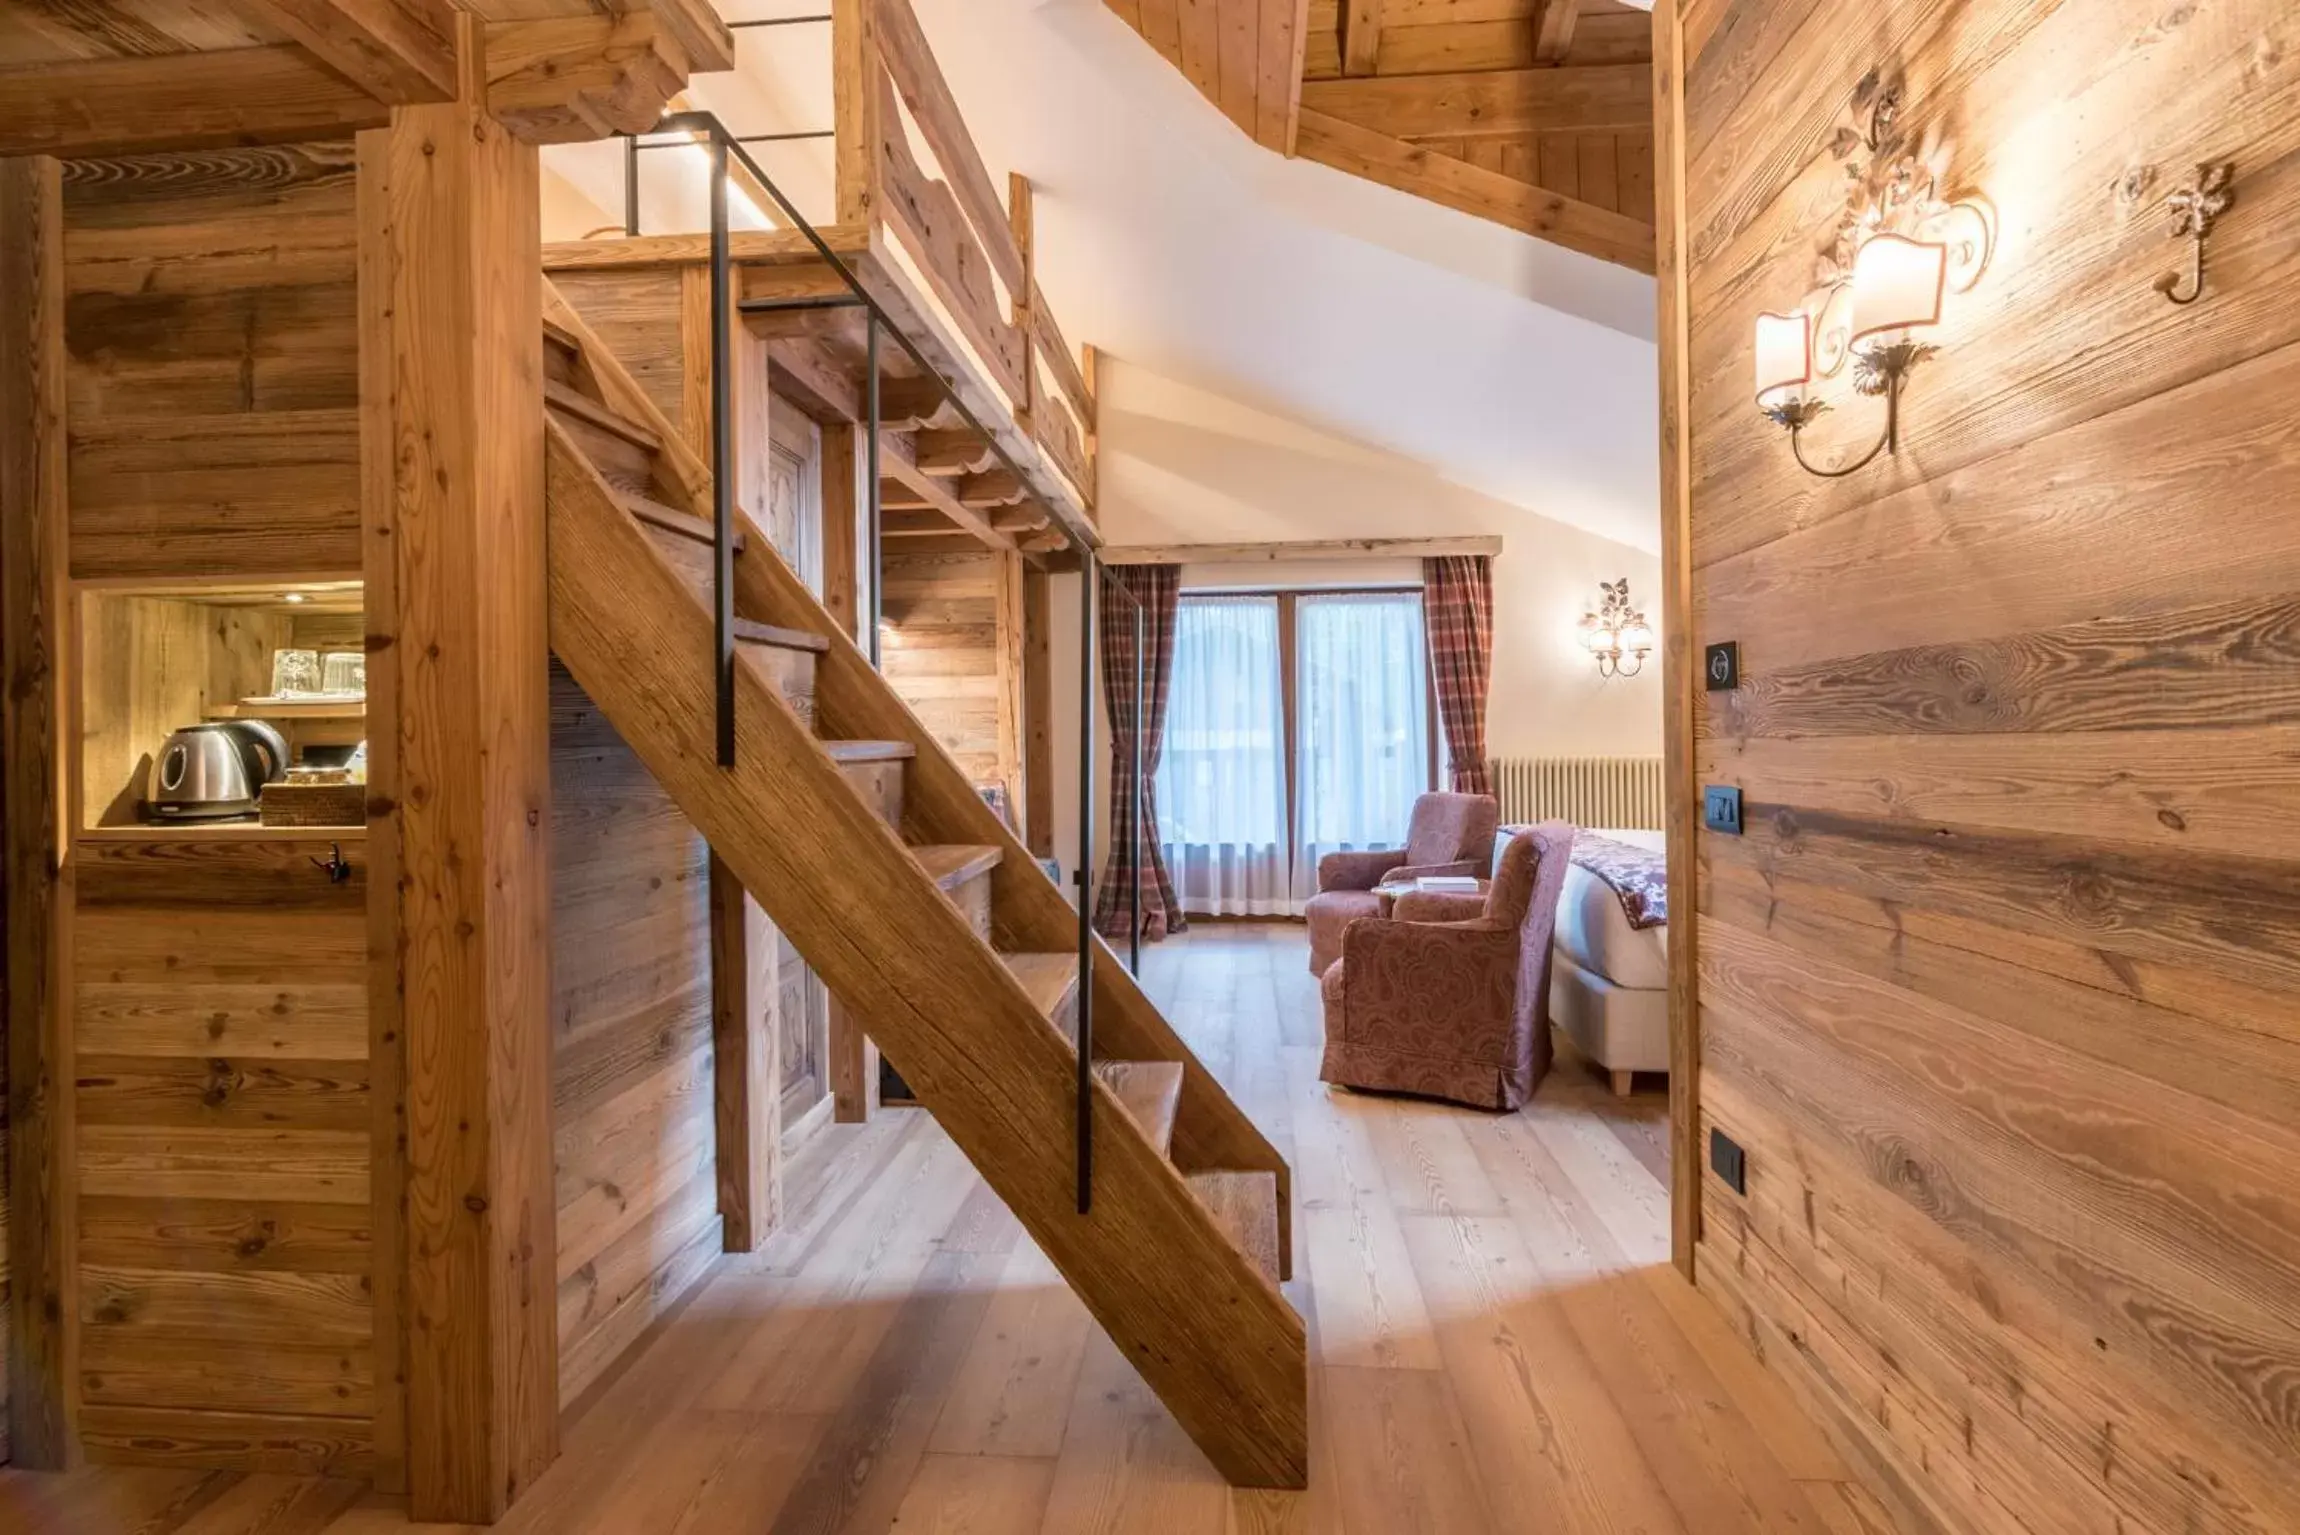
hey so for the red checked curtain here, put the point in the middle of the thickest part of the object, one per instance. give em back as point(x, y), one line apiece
point(1158, 588)
point(1457, 608)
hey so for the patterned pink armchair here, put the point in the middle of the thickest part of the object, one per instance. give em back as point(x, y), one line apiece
point(1454, 1009)
point(1449, 834)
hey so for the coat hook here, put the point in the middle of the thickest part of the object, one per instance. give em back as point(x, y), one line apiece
point(2195, 208)
point(338, 869)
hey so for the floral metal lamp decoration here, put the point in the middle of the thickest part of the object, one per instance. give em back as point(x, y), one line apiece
point(1616, 633)
point(1898, 251)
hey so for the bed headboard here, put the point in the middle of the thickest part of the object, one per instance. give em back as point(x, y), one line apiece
point(1588, 791)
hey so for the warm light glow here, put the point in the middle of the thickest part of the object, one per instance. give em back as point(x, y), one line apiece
point(1637, 639)
point(1897, 284)
point(1784, 356)
point(292, 597)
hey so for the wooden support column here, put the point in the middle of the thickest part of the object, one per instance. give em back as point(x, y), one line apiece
point(857, 123)
point(1013, 708)
point(853, 1067)
point(1037, 715)
point(35, 893)
point(842, 527)
point(459, 233)
point(746, 1048)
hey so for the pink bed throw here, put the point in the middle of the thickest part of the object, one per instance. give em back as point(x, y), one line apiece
point(1638, 875)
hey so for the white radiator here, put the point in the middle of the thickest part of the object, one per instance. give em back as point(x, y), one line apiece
point(1588, 791)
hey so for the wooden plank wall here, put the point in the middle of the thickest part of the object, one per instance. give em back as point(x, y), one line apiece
point(2001, 990)
point(1613, 171)
point(633, 1142)
point(223, 1155)
point(212, 329)
point(945, 653)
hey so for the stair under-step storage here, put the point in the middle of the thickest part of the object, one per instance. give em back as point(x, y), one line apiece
point(868, 847)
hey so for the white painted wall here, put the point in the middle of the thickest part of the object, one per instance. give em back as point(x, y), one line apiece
point(1182, 465)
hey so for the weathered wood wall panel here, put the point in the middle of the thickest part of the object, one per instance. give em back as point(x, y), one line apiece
point(940, 645)
point(223, 1152)
point(213, 384)
point(632, 1139)
point(2000, 989)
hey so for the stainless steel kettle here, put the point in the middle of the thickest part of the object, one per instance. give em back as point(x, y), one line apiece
point(216, 770)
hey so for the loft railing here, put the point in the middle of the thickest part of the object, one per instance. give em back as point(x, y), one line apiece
point(727, 154)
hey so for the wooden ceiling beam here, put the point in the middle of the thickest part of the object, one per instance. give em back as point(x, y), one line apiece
point(236, 96)
point(573, 79)
point(896, 463)
point(1552, 216)
point(948, 454)
point(1605, 98)
point(1553, 27)
point(1298, 549)
point(398, 51)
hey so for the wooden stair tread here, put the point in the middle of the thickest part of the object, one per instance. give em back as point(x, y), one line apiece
point(561, 337)
point(1245, 1206)
point(576, 403)
point(774, 634)
point(1049, 978)
point(953, 864)
point(844, 752)
point(1151, 1092)
point(669, 519)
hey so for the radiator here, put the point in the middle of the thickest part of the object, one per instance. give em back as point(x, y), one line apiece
point(1588, 791)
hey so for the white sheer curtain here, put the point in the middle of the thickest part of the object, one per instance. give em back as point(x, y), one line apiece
point(1222, 778)
point(1362, 721)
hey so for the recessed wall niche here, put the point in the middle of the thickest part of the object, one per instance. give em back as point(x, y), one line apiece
point(155, 659)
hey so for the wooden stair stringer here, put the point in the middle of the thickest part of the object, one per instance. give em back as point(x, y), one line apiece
point(941, 805)
point(1208, 1331)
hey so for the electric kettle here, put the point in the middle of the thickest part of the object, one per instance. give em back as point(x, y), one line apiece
point(215, 771)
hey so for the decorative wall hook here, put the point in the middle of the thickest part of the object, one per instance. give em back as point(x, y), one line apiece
point(2195, 208)
point(335, 866)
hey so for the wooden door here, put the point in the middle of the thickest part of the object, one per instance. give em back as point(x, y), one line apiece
point(794, 522)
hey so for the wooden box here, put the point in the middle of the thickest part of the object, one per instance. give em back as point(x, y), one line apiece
point(313, 804)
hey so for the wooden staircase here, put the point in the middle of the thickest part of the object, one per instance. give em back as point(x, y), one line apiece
point(864, 843)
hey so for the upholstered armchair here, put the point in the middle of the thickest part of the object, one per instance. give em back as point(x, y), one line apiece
point(1448, 834)
point(1455, 1009)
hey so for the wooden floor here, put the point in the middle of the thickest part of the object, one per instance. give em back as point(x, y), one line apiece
point(1497, 1345)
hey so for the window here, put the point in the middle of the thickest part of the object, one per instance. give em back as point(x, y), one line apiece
point(1298, 724)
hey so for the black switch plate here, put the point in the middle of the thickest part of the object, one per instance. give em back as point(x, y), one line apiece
point(1721, 809)
point(1729, 1161)
point(1721, 670)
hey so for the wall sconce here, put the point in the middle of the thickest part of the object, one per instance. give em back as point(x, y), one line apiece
point(1615, 631)
point(1898, 251)
point(2195, 208)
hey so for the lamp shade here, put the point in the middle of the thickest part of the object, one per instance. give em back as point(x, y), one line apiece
point(1897, 284)
point(1784, 355)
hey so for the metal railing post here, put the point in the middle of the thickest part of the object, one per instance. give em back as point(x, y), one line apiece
point(631, 184)
point(722, 448)
point(870, 460)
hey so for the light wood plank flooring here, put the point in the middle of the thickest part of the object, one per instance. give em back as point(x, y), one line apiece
point(1497, 1346)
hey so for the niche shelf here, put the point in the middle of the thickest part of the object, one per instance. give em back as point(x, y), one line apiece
point(154, 658)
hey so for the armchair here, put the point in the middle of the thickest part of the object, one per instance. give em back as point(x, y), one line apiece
point(1448, 834)
point(1454, 1009)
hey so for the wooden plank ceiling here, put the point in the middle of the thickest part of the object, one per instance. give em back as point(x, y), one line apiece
point(107, 77)
point(1537, 114)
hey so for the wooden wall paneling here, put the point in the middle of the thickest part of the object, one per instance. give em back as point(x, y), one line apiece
point(942, 651)
point(214, 374)
point(640, 1159)
point(1037, 714)
point(1679, 636)
point(35, 889)
point(641, 317)
point(474, 825)
point(1996, 990)
point(225, 1297)
point(386, 946)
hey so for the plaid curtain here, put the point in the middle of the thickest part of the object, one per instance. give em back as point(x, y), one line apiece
point(1457, 612)
point(1159, 590)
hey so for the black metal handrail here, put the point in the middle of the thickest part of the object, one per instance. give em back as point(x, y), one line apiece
point(725, 149)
